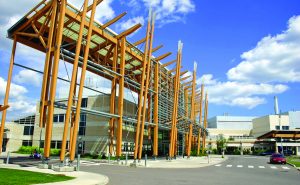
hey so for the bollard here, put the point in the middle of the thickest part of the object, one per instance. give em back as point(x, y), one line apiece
point(126, 158)
point(78, 162)
point(208, 158)
point(145, 160)
point(7, 159)
point(108, 158)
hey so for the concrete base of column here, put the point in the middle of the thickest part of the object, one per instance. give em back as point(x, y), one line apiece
point(64, 168)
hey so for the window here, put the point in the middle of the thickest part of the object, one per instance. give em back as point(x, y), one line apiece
point(58, 144)
point(28, 130)
point(42, 144)
point(82, 125)
point(55, 118)
point(285, 127)
point(26, 143)
point(84, 102)
point(53, 144)
point(58, 118)
point(277, 127)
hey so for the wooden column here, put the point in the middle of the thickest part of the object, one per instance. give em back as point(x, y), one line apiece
point(73, 82)
point(140, 101)
point(155, 110)
point(175, 103)
point(47, 67)
point(192, 111)
point(6, 96)
point(120, 99)
point(200, 116)
point(112, 101)
point(82, 79)
point(58, 41)
point(146, 89)
point(205, 123)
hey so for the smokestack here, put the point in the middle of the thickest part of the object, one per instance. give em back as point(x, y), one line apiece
point(276, 109)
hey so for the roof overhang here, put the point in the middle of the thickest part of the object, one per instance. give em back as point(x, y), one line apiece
point(285, 134)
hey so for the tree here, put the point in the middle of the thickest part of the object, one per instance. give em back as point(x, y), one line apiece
point(221, 144)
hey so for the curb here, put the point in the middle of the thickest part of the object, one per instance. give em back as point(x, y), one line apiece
point(293, 166)
point(79, 176)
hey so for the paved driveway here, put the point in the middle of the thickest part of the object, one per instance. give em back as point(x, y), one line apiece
point(244, 170)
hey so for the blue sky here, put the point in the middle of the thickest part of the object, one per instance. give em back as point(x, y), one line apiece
point(247, 50)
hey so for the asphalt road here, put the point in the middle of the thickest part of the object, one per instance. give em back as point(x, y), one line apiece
point(244, 170)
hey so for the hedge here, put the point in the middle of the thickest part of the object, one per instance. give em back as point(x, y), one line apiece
point(30, 150)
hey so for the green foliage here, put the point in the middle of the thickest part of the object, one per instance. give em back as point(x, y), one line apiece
point(231, 139)
point(294, 160)
point(236, 151)
point(258, 151)
point(21, 177)
point(246, 151)
point(215, 151)
point(194, 153)
point(27, 149)
point(30, 150)
point(221, 144)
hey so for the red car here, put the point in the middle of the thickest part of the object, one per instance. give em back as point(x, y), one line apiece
point(277, 158)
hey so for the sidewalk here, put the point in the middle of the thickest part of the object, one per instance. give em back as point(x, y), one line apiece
point(80, 177)
point(192, 162)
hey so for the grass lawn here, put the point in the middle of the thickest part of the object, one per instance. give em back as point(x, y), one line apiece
point(294, 160)
point(12, 176)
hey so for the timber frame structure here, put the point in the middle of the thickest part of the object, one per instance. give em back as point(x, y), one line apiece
point(63, 33)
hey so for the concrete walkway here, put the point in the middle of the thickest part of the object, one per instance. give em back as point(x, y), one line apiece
point(80, 177)
point(192, 162)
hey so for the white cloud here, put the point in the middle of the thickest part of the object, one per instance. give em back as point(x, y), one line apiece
point(207, 79)
point(167, 11)
point(122, 26)
point(19, 103)
point(104, 11)
point(28, 77)
point(15, 90)
point(274, 59)
point(241, 94)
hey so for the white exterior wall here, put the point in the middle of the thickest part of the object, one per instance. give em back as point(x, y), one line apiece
point(267, 123)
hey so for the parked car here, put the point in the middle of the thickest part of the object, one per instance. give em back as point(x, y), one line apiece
point(269, 152)
point(277, 158)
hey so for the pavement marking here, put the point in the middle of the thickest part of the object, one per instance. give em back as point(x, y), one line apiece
point(218, 165)
point(229, 166)
point(239, 166)
point(249, 166)
point(286, 168)
point(261, 167)
point(273, 167)
point(88, 163)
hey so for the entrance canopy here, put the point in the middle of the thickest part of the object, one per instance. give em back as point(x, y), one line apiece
point(286, 134)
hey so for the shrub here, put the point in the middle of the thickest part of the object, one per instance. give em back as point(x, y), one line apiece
point(236, 151)
point(30, 150)
point(246, 151)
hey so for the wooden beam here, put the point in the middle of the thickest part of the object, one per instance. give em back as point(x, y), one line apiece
point(113, 20)
point(168, 63)
point(187, 83)
point(91, 6)
point(163, 56)
point(157, 48)
point(184, 78)
point(139, 41)
point(129, 31)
